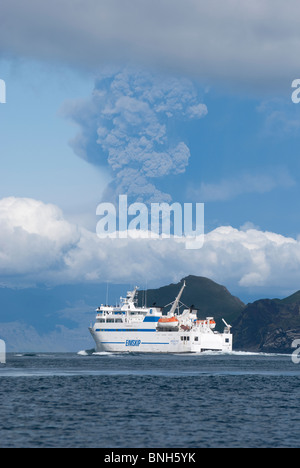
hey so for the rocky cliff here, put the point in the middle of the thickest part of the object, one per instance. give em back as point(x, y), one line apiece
point(268, 325)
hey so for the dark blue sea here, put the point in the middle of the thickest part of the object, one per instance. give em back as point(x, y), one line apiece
point(149, 401)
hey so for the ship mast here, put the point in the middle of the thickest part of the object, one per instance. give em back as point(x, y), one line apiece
point(176, 302)
point(131, 295)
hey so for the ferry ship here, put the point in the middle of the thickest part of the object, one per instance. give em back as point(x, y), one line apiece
point(129, 328)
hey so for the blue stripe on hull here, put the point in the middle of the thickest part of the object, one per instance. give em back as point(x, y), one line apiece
point(151, 319)
point(123, 343)
point(135, 330)
point(154, 343)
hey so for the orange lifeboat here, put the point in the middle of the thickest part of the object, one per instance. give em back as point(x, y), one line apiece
point(211, 323)
point(168, 322)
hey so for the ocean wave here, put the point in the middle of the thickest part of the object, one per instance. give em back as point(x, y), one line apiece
point(92, 352)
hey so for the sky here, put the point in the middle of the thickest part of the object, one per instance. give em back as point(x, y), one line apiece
point(169, 101)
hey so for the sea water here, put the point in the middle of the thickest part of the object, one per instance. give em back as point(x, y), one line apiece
point(149, 401)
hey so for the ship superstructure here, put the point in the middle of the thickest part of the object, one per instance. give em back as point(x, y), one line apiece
point(127, 327)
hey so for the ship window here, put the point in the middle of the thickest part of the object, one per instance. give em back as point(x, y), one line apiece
point(118, 320)
point(110, 320)
point(226, 340)
point(196, 338)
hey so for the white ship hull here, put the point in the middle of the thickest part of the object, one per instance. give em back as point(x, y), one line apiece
point(160, 341)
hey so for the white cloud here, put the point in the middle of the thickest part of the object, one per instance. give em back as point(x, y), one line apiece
point(199, 110)
point(33, 237)
point(228, 189)
point(38, 245)
point(246, 43)
point(281, 117)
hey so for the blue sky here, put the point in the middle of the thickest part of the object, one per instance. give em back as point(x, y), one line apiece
point(191, 107)
point(37, 159)
point(248, 162)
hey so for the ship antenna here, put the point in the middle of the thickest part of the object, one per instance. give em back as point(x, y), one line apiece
point(146, 294)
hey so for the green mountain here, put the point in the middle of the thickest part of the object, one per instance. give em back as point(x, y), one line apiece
point(210, 298)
